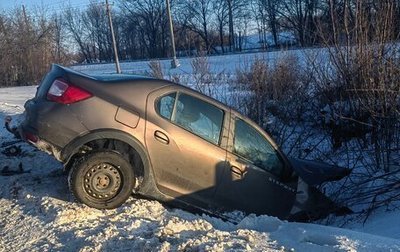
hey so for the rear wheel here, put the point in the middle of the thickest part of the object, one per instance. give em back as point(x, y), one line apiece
point(103, 180)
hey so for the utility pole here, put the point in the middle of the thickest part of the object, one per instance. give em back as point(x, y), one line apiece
point(25, 17)
point(174, 61)
point(113, 37)
point(231, 31)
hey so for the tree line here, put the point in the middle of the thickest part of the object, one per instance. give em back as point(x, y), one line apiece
point(211, 26)
point(30, 41)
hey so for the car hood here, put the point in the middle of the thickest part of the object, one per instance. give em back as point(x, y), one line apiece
point(315, 173)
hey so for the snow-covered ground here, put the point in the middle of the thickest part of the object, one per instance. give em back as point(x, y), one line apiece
point(38, 214)
point(218, 64)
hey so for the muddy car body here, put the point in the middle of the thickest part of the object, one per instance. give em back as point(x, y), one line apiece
point(118, 134)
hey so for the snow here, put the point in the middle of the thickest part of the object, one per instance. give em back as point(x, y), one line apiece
point(383, 222)
point(37, 213)
point(218, 64)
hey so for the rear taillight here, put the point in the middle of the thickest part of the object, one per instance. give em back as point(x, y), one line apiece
point(66, 93)
point(31, 137)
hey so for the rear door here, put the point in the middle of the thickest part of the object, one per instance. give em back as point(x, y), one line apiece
point(251, 181)
point(185, 138)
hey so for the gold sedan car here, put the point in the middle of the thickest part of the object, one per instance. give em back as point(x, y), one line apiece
point(124, 134)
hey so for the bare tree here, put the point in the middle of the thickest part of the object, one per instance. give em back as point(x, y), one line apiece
point(269, 13)
point(196, 15)
point(95, 21)
point(231, 25)
point(299, 16)
point(238, 11)
point(221, 12)
point(27, 47)
point(150, 20)
point(76, 28)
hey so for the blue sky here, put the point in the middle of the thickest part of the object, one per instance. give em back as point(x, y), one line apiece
point(6, 5)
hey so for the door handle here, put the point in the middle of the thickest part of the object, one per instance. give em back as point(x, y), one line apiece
point(239, 171)
point(161, 137)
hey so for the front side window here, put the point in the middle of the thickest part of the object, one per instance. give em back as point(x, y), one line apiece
point(253, 146)
point(192, 114)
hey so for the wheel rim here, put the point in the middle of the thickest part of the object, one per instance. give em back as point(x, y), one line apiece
point(103, 181)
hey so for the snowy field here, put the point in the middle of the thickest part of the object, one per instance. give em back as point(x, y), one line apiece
point(38, 214)
point(218, 64)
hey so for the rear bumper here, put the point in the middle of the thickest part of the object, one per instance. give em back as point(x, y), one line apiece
point(30, 136)
point(43, 126)
point(49, 126)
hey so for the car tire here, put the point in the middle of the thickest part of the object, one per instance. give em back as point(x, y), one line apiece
point(103, 180)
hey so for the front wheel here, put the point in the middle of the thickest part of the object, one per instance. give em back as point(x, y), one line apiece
point(103, 180)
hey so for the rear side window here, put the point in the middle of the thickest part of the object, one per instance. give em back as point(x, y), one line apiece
point(193, 114)
point(165, 106)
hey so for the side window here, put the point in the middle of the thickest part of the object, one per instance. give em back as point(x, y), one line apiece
point(199, 117)
point(252, 145)
point(165, 105)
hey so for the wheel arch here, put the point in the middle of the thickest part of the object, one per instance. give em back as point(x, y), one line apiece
point(76, 148)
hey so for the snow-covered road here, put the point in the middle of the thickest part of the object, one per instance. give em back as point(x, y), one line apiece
point(37, 214)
